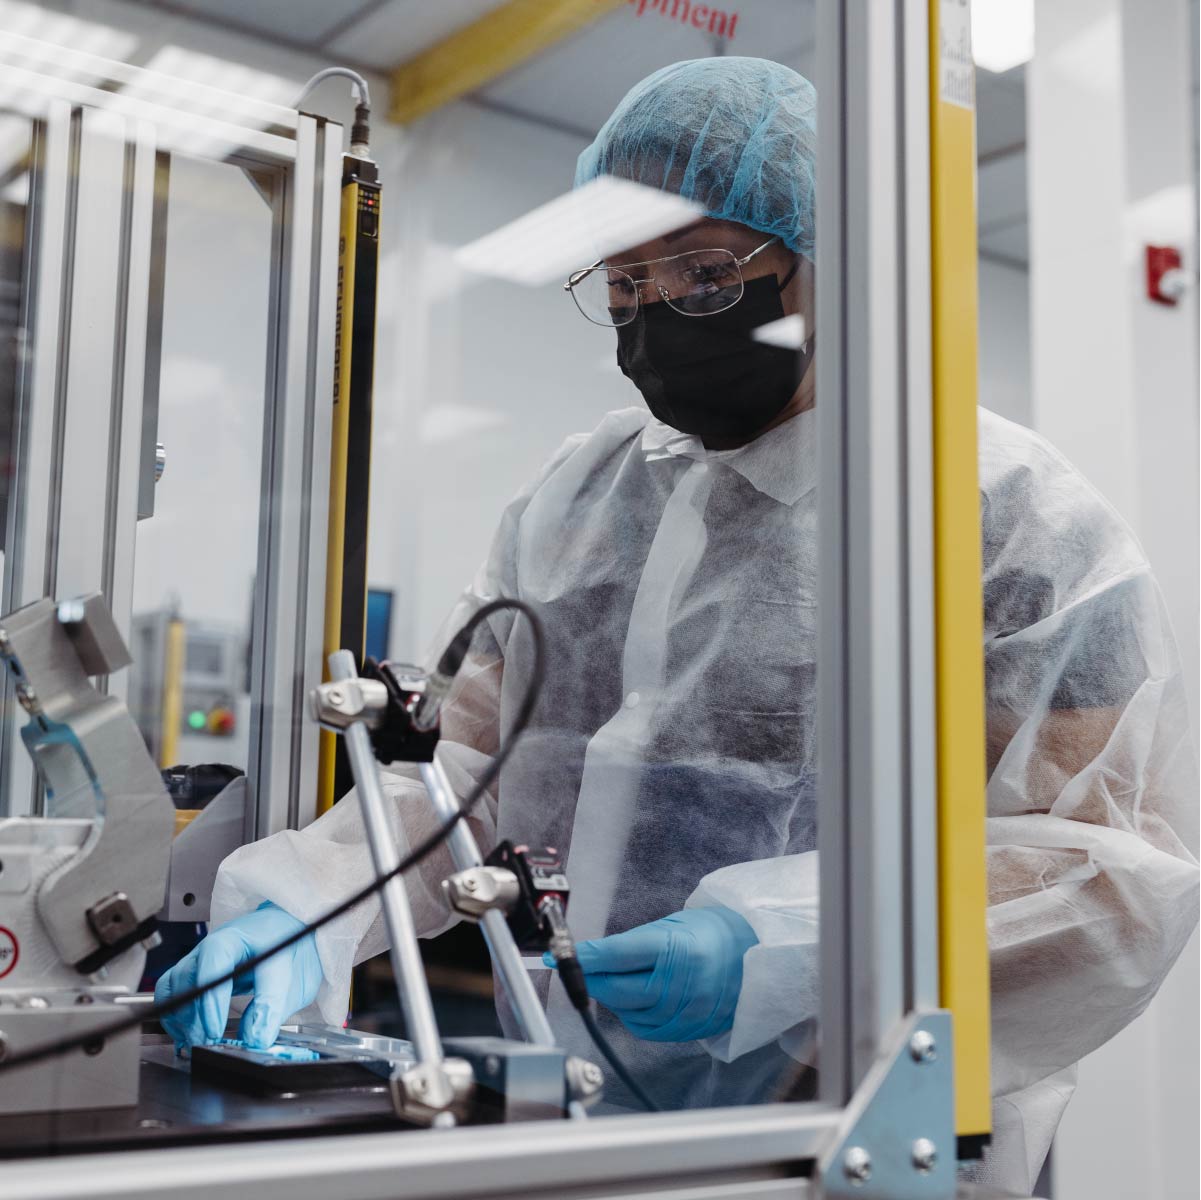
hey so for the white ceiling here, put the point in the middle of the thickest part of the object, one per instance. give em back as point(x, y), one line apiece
point(577, 83)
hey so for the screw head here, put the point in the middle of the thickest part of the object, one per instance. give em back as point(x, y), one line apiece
point(922, 1046)
point(418, 1085)
point(593, 1074)
point(857, 1165)
point(335, 696)
point(470, 884)
point(925, 1155)
point(71, 612)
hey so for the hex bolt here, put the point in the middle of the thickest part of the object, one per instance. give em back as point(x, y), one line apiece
point(925, 1155)
point(857, 1165)
point(922, 1047)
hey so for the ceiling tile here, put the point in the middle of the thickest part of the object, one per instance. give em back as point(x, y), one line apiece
point(301, 20)
point(580, 81)
point(402, 28)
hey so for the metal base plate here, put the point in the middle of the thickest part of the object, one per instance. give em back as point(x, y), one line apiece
point(173, 1108)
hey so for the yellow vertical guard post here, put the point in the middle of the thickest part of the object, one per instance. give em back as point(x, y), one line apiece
point(350, 450)
point(174, 648)
point(959, 637)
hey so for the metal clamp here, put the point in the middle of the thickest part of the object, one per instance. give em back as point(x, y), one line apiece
point(425, 1091)
point(897, 1141)
point(478, 890)
point(339, 704)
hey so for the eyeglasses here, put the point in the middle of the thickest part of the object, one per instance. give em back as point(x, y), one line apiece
point(698, 283)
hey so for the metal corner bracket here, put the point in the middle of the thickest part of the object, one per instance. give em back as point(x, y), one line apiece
point(897, 1140)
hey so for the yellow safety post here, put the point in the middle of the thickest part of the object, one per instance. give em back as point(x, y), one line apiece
point(959, 637)
point(175, 643)
point(473, 56)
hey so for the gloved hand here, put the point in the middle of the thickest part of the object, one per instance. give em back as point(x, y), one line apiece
point(675, 979)
point(283, 985)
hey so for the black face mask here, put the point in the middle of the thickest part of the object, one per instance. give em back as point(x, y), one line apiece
point(707, 375)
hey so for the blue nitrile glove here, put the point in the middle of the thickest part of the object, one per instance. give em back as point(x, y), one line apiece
point(675, 979)
point(282, 986)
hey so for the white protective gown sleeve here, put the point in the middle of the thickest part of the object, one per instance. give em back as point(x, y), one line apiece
point(307, 872)
point(1092, 803)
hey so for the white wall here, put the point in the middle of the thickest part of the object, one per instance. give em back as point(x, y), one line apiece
point(1115, 387)
point(1004, 367)
point(476, 387)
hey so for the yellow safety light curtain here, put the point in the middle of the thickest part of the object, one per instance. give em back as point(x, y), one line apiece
point(959, 636)
point(350, 448)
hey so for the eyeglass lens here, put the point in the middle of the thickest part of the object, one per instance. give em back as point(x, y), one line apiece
point(696, 284)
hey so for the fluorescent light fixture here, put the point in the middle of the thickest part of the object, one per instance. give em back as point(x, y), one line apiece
point(788, 332)
point(35, 37)
point(1002, 33)
point(202, 90)
point(576, 229)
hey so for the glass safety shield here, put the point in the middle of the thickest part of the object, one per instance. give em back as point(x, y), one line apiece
point(658, 358)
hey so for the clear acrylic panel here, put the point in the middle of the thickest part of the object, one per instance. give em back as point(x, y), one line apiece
point(196, 553)
point(672, 759)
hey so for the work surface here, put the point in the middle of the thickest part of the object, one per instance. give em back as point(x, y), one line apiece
point(176, 1109)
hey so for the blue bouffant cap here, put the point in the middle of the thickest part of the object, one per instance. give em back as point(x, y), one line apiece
point(736, 135)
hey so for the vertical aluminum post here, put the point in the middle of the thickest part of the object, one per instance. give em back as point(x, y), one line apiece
point(875, 832)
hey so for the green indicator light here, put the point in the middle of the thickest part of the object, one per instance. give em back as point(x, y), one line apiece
point(196, 719)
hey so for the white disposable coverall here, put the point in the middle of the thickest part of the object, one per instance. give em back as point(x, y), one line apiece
point(673, 756)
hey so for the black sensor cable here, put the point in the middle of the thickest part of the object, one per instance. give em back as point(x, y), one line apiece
point(562, 950)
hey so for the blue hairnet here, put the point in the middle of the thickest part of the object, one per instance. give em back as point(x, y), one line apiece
point(736, 135)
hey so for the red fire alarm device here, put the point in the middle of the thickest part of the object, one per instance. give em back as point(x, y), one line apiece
point(1166, 278)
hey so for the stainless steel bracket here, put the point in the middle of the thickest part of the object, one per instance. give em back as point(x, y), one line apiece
point(478, 890)
point(897, 1140)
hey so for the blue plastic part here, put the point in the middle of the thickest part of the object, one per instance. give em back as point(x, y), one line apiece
point(283, 1052)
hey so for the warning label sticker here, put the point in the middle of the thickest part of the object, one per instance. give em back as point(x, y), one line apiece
point(956, 72)
point(9, 951)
